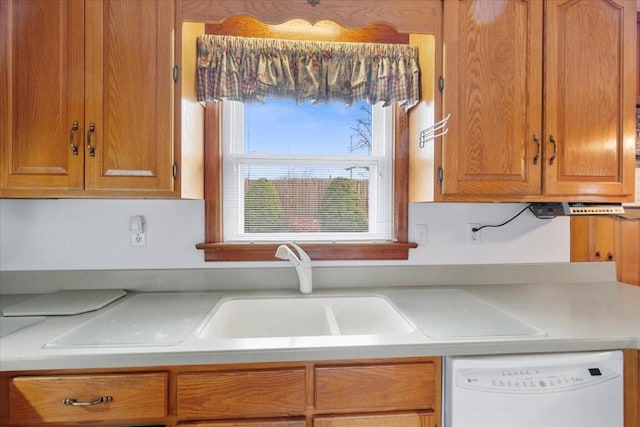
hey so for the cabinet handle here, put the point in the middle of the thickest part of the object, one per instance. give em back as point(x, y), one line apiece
point(92, 149)
point(609, 256)
point(536, 139)
point(73, 402)
point(552, 140)
point(74, 147)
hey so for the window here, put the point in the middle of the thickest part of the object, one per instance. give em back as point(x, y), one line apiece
point(218, 248)
point(384, 235)
point(309, 173)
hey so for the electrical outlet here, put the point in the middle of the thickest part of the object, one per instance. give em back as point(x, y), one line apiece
point(421, 233)
point(474, 236)
point(138, 239)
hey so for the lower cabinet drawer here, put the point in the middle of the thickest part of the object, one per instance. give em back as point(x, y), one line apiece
point(384, 420)
point(248, 423)
point(375, 387)
point(77, 398)
point(240, 394)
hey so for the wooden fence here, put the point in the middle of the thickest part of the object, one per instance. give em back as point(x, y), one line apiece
point(301, 197)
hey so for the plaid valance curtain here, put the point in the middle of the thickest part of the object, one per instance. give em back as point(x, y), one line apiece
point(252, 69)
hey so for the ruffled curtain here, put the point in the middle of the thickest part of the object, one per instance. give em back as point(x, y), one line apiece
point(252, 69)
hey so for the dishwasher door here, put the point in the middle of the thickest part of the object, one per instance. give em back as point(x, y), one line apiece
point(550, 390)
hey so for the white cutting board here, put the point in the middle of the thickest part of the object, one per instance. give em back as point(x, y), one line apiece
point(64, 303)
point(9, 325)
point(144, 319)
point(457, 314)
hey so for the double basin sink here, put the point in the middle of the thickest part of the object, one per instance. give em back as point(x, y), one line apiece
point(304, 316)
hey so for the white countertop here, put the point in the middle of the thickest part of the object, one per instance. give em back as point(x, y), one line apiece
point(573, 317)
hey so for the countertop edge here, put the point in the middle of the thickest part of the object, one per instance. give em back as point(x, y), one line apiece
point(576, 317)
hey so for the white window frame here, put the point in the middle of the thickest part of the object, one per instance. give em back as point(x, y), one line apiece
point(380, 164)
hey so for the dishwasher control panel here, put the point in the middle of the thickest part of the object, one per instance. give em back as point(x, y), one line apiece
point(541, 379)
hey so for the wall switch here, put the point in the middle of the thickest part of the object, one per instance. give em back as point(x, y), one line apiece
point(421, 232)
point(474, 236)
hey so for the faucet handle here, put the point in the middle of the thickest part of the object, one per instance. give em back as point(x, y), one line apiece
point(301, 253)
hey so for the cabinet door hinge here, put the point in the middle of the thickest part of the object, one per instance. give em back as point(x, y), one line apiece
point(176, 73)
point(175, 171)
point(440, 175)
point(441, 83)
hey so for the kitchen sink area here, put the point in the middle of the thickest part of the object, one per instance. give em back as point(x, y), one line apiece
point(188, 324)
point(260, 320)
point(238, 318)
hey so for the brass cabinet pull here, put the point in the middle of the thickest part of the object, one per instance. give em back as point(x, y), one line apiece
point(74, 147)
point(553, 141)
point(536, 139)
point(92, 149)
point(73, 402)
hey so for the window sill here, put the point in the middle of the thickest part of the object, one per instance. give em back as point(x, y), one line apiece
point(316, 251)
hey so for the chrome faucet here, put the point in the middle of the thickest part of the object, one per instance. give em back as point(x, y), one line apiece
point(301, 262)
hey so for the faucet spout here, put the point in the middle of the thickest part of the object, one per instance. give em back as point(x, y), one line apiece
point(301, 262)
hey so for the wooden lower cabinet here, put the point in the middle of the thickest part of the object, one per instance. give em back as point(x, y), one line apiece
point(365, 388)
point(606, 238)
point(376, 420)
point(236, 393)
point(250, 423)
point(393, 393)
point(385, 420)
point(116, 399)
point(404, 392)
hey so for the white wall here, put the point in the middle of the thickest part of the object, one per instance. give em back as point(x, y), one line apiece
point(74, 234)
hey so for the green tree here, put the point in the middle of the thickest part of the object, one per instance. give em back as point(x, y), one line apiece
point(341, 209)
point(263, 211)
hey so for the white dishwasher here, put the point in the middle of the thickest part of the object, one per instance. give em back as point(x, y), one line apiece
point(550, 390)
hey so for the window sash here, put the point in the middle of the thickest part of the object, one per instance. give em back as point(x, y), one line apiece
point(380, 197)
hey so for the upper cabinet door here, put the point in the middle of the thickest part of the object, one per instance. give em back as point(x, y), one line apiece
point(493, 90)
point(42, 86)
point(589, 98)
point(502, 87)
point(129, 95)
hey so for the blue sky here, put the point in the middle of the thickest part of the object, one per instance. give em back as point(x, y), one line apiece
point(321, 129)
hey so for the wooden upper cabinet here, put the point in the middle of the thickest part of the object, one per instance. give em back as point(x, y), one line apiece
point(531, 126)
point(589, 106)
point(638, 62)
point(130, 94)
point(493, 90)
point(96, 75)
point(42, 78)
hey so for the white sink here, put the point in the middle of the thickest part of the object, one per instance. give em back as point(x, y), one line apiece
point(304, 317)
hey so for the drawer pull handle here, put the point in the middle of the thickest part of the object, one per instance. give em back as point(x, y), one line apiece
point(73, 402)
